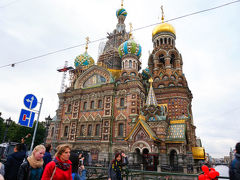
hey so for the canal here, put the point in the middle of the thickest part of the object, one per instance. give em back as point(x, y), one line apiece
point(223, 170)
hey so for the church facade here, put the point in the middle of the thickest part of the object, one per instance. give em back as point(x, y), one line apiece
point(110, 106)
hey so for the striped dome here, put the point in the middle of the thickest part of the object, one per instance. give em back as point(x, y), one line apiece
point(146, 73)
point(130, 47)
point(120, 12)
point(83, 60)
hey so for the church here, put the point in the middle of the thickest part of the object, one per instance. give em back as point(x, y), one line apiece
point(113, 105)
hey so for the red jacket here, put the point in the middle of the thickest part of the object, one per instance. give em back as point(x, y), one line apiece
point(59, 173)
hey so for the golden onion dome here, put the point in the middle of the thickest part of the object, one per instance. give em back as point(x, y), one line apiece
point(164, 27)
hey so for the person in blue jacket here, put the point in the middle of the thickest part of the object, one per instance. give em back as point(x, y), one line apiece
point(47, 156)
point(78, 170)
point(234, 170)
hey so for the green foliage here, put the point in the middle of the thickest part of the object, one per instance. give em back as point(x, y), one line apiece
point(17, 132)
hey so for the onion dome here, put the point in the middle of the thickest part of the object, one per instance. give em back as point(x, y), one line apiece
point(84, 60)
point(146, 73)
point(120, 12)
point(130, 47)
point(164, 27)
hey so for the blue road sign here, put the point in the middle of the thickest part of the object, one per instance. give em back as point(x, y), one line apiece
point(30, 101)
point(26, 118)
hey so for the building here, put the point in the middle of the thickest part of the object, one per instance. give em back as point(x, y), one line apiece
point(110, 106)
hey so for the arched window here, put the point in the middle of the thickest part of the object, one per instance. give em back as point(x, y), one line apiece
point(165, 40)
point(169, 41)
point(161, 59)
point(69, 108)
point(52, 133)
point(122, 102)
point(134, 64)
point(161, 41)
point(130, 64)
point(120, 129)
point(92, 105)
point(171, 84)
point(100, 103)
point(84, 105)
point(157, 43)
point(65, 131)
point(172, 59)
point(97, 130)
point(89, 130)
point(82, 130)
point(156, 79)
point(123, 65)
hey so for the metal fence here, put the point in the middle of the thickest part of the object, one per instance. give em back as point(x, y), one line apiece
point(98, 173)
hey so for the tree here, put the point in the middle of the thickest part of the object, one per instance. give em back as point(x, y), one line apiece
point(17, 132)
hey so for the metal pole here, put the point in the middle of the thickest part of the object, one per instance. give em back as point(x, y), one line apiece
point(35, 130)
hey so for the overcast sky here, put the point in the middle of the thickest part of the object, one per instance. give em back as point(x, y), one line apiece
point(209, 43)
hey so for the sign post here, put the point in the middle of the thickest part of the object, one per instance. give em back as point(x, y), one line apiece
point(35, 130)
point(27, 115)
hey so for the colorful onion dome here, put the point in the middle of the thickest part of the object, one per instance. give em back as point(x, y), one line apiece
point(146, 73)
point(84, 60)
point(164, 27)
point(130, 47)
point(120, 12)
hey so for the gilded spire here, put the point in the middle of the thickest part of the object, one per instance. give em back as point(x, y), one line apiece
point(121, 3)
point(151, 99)
point(162, 14)
point(87, 41)
point(130, 33)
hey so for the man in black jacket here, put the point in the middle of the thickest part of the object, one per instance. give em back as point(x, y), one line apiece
point(234, 170)
point(13, 163)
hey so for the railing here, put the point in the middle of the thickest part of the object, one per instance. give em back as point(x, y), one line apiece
point(98, 173)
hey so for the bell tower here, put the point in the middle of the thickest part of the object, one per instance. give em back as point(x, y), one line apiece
point(169, 82)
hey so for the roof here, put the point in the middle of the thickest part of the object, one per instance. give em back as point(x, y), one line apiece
point(141, 122)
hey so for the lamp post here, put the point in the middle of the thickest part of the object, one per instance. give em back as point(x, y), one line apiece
point(8, 123)
point(47, 124)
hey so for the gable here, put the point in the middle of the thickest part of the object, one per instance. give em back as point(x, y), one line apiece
point(94, 76)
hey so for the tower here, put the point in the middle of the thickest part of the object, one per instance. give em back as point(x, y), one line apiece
point(169, 82)
point(130, 53)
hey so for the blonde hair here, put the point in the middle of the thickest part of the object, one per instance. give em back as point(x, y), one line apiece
point(61, 149)
point(38, 147)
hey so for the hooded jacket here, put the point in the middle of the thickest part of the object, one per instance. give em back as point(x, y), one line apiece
point(13, 163)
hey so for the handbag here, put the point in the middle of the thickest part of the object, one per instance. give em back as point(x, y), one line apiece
point(53, 172)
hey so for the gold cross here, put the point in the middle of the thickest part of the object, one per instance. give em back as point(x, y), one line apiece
point(162, 14)
point(121, 3)
point(87, 41)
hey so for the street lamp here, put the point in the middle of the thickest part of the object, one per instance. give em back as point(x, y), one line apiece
point(47, 124)
point(8, 123)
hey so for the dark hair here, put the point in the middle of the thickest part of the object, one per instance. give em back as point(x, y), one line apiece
point(18, 147)
point(48, 147)
point(75, 162)
point(238, 147)
point(116, 155)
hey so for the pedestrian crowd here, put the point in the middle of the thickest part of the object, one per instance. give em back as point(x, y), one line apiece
point(64, 165)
